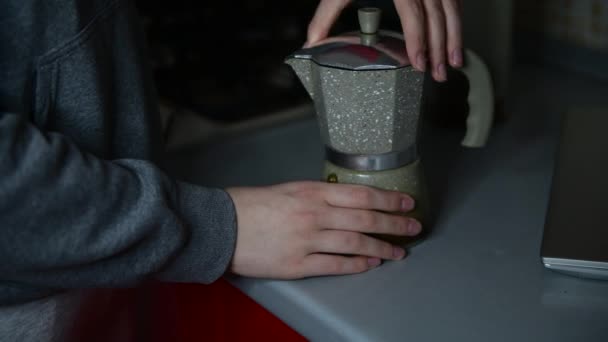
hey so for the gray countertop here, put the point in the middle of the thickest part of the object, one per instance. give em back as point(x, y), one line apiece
point(478, 276)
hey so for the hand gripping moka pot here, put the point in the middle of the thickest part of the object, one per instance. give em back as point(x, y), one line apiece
point(368, 99)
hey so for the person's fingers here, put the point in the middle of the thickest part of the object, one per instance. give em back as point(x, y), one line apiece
point(454, 31)
point(368, 221)
point(325, 264)
point(325, 16)
point(363, 197)
point(411, 13)
point(435, 24)
point(344, 242)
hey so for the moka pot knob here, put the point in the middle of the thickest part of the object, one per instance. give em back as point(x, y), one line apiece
point(369, 22)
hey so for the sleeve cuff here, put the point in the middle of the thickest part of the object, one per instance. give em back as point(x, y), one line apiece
point(209, 218)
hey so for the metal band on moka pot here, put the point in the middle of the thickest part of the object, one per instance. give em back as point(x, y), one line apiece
point(372, 162)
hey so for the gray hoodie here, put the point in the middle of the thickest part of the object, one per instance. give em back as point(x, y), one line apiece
point(82, 204)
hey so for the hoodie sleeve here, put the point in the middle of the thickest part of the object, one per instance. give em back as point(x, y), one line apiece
point(71, 220)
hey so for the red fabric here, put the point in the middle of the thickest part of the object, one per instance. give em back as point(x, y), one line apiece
point(160, 312)
point(107, 315)
point(216, 312)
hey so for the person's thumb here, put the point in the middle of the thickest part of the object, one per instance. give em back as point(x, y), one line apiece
point(325, 16)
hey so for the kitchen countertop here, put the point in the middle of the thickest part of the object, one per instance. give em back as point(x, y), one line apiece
point(478, 276)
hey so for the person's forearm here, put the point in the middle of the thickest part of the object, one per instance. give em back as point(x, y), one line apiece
point(69, 219)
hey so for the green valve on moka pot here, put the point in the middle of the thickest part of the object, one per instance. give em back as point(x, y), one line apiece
point(368, 100)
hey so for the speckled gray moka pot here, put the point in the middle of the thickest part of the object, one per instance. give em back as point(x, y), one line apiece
point(366, 111)
point(368, 100)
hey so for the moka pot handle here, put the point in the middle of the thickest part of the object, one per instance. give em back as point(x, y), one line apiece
point(480, 100)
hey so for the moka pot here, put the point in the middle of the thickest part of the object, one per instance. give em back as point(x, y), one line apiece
point(368, 100)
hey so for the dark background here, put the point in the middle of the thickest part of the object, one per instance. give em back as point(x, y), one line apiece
point(224, 60)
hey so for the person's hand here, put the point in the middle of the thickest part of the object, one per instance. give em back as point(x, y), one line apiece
point(432, 28)
point(304, 229)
